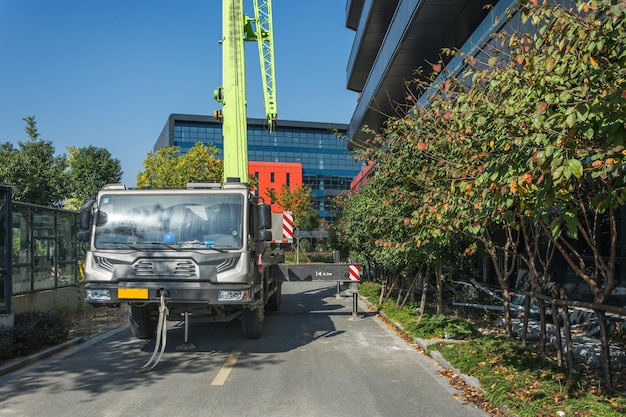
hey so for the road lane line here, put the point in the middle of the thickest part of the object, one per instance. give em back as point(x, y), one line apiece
point(228, 366)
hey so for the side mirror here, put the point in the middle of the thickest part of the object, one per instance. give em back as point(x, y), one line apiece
point(265, 216)
point(265, 235)
point(83, 236)
point(84, 216)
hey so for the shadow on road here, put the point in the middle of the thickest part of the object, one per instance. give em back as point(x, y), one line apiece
point(308, 313)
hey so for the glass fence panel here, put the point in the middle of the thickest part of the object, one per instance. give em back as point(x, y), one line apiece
point(44, 248)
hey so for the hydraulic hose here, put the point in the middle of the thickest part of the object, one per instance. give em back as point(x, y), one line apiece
point(161, 337)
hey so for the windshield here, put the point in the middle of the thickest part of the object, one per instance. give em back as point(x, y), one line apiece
point(175, 221)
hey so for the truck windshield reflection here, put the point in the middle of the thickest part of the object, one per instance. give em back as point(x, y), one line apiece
point(172, 221)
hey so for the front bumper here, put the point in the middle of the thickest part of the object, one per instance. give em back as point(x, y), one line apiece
point(175, 293)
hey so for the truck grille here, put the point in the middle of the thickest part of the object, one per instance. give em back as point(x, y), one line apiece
point(179, 269)
point(143, 268)
point(186, 269)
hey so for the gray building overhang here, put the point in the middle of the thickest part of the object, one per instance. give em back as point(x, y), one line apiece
point(393, 39)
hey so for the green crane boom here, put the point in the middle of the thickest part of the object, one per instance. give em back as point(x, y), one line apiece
point(238, 28)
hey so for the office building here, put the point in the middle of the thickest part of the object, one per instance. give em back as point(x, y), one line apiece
point(393, 38)
point(327, 167)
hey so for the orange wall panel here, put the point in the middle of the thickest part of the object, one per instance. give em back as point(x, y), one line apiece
point(274, 175)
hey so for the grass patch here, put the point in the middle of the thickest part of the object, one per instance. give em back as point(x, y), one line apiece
point(369, 290)
point(431, 326)
point(525, 383)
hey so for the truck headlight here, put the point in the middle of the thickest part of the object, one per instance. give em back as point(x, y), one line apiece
point(228, 295)
point(98, 295)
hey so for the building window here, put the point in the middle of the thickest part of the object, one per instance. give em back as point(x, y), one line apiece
point(272, 177)
point(288, 179)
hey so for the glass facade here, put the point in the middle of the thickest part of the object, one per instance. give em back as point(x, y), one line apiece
point(327, 166)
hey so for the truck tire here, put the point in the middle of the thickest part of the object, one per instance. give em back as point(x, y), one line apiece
point(143, 320)
point(274, 301)
point(252, 322)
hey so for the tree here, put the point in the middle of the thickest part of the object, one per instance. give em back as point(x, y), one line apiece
point(90, 168)
point(167, 168)
point(299, 201)
point(565, 119)
point(529, 138)
point(38, 175)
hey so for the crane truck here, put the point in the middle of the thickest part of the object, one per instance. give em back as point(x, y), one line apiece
point(206, 249)
point(203, 249)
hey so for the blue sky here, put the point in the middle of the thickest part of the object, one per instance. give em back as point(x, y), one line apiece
point(109, 73)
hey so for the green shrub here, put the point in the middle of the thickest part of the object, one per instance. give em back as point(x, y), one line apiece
point(320, 257)
point(310, 257)
point(6, 342)
point(34, 330)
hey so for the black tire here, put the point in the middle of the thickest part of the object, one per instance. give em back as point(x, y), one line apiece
point(274, 302)
point(252, 322)
point(143, 320)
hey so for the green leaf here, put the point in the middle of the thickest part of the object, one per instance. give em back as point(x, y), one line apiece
point(571, 224)
point(575, 167)
point(558, 172)
point(555, 228)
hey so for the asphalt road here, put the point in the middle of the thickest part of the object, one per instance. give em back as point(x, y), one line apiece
point(313, 360)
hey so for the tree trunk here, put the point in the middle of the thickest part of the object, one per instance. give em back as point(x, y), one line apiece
point(506, 304)
point(424, 295)
point(568, 332)
point(527, 303)
point(383, 290)
point(605, 350)
point(505, 269)
point(557, 327)
point(542, 324)
point(411, 289)
point(439, 286)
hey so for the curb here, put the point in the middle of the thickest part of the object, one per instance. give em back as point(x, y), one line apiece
point(22, 362)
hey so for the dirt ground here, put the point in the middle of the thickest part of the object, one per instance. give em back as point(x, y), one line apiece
point(92, 321)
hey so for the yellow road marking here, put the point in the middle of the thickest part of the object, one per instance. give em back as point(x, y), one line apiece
point(228, 366)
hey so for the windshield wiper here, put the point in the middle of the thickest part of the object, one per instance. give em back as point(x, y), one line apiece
point(128, 244)
point(167, 245)
point(176, 247)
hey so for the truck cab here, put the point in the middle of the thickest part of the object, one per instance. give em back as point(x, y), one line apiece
point(202, 248)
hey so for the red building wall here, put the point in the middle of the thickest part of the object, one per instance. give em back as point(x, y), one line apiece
point(363, 176)
point(274, 175)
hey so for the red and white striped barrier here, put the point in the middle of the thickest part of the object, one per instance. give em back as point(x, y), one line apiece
point(282, 227)
point(288, 225)
point(355, 273)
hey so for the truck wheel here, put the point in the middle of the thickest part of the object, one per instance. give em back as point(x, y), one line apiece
point(252, 322)
point(143, 320)
point(274, 301)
